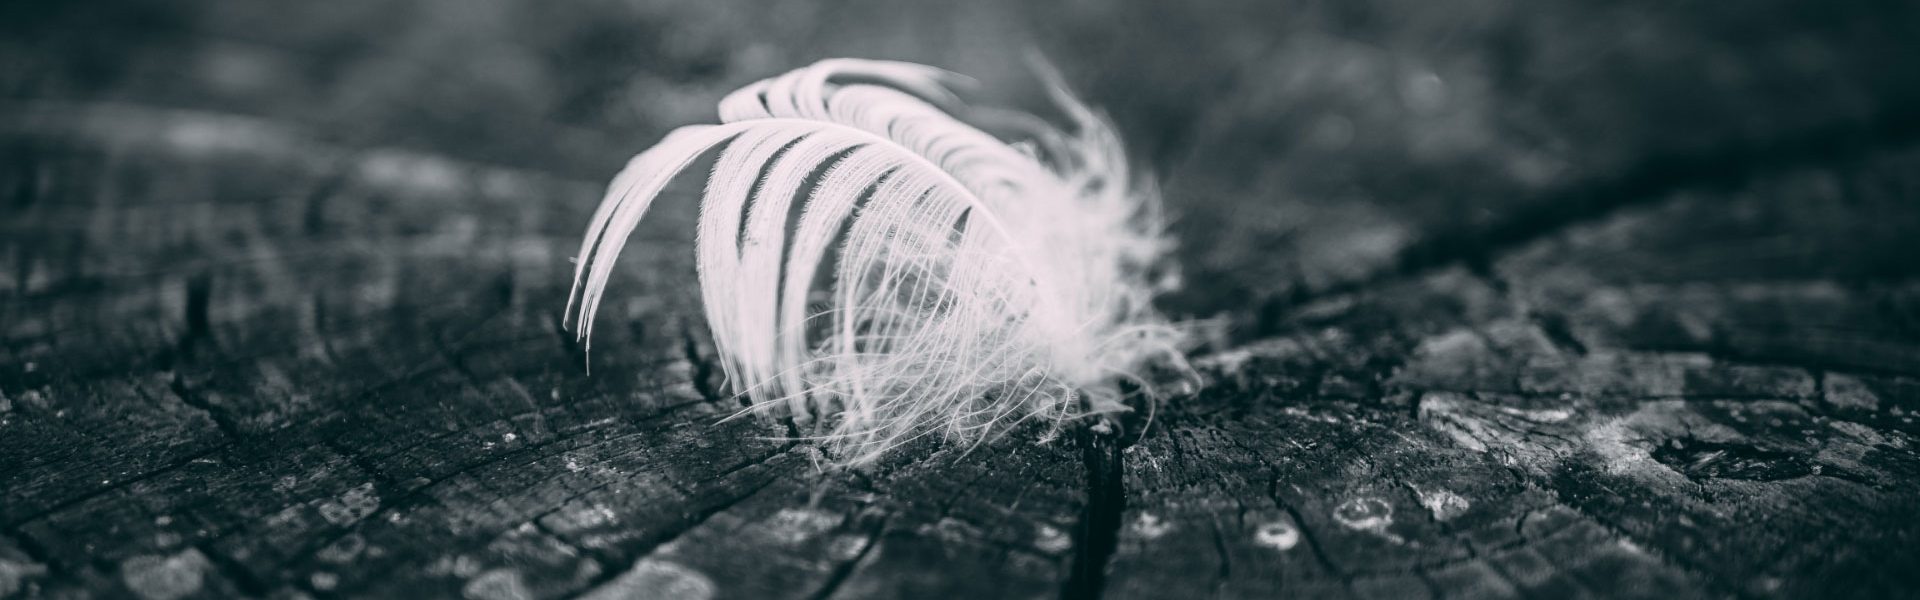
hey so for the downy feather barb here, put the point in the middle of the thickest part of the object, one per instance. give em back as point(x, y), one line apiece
point(882, 270)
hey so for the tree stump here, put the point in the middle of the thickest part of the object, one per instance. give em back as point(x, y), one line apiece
point(1535, 300)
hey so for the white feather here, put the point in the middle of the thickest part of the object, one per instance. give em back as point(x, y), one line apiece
point(978, 282)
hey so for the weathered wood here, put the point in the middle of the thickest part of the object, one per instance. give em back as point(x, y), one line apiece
point(1535, 301)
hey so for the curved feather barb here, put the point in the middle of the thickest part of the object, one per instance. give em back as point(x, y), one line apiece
point(881, 270)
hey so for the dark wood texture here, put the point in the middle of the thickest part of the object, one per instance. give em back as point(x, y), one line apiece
point(1500, 299)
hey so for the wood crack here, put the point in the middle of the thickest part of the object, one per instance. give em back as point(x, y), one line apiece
point(1563, 498)
point(841, 572)
point(1098, 533)
point(646, 550)
point(119, 485)
point(1651, 181)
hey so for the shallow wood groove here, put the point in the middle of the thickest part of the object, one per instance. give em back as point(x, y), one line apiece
point(1659, 179)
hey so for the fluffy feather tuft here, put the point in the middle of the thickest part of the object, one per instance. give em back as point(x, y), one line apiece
point(881, 270)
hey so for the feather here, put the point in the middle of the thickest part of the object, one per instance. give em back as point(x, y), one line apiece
point(937, 280)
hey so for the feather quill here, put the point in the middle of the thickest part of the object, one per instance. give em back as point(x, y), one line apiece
point(937, 279)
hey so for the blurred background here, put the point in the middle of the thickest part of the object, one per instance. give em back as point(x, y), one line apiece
point(1331, 139)
point(281, 284)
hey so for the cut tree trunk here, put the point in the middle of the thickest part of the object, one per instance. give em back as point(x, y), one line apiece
point(273, 324)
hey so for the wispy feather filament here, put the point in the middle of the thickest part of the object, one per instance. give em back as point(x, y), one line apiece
point(975, 283)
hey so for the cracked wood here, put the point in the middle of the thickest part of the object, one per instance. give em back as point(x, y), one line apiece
point(1504, 303)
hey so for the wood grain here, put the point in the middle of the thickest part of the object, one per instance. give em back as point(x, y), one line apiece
point(1540, 300)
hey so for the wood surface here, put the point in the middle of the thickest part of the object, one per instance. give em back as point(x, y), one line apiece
point(1497, 299)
